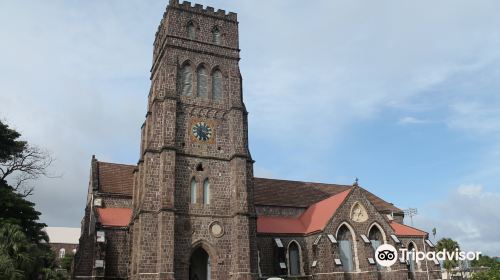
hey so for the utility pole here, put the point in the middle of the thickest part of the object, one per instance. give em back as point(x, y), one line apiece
point(411, 212)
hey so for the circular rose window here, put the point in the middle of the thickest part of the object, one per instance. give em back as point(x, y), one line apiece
point(216, 229)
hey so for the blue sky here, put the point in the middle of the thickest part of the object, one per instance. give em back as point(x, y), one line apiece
point(403, 95)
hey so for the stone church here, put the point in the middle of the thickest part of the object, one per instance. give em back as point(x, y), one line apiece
point(192, 209)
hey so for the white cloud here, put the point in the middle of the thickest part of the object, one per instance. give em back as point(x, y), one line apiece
point(469, 214)
point(411, 120)
point(74, 75)
point(470, 190)
point(476, 117)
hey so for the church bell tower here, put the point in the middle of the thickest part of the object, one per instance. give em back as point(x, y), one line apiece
point(193, 215)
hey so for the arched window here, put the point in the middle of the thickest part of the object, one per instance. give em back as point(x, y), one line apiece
point(376, 239)
point(217, 85)
point(294, 258)
point(62, 253)
point(216, 35)
point(206, 192)
point(191, 30)
point(411, 259)
point(186, 80)
point(194, 191)
point(344, 238)
point(202, 80)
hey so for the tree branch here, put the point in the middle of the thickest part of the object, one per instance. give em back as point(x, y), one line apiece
point(31, 164)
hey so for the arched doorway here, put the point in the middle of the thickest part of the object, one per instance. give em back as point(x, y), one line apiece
point(199, 265)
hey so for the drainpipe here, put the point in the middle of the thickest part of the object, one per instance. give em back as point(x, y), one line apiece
point(426, 261)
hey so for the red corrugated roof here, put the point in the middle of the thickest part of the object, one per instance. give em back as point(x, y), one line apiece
point(115, 217)
point(404, 230)
point(312, 220)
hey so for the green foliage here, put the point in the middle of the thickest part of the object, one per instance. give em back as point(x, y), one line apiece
point(14, 209)
point(449, 245)
point(24, 250)
point(9, 143)
point(50, 274)
point(484, 261)
point(65, 262)
point(492, 274)
point(14, 252)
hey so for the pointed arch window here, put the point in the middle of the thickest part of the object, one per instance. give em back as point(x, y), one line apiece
point(206, 192)
point(294, 258)
point(62, 253)
point(376, 239)
point(194, 191)
point(202, 80)
point(216, 35)
point(411, 263)
point(344, 238)
point(191, 30)
point(217, 85)
point(186, 80)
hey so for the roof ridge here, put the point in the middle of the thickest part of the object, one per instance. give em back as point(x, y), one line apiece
point(114, 163)
point(317, 215)
point(405, 225)
point(305, 182)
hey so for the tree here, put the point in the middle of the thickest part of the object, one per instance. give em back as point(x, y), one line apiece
point(14, 209)
point(14, 252)
point(449, 245)
point(9, 143)
point(485, 261)
point(21, 161)
point(24, 249)
point(66, 261)
point(492, 274)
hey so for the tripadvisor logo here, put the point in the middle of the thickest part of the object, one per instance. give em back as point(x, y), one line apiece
point(386, 255)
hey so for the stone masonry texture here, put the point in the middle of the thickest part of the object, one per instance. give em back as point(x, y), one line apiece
point(174, 216)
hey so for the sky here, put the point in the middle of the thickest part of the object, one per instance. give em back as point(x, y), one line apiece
point(403, 95)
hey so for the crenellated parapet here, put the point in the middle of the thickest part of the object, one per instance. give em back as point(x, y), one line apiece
point(194, 27)
point(207, 11)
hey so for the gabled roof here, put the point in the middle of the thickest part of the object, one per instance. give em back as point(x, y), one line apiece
point(285, 193)
point(314, 219)
point(404, 230)
point(114, 217)
point(115, 178)
point(63, 235)
point(119, 179)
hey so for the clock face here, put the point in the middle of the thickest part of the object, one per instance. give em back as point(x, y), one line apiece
point(201, 131)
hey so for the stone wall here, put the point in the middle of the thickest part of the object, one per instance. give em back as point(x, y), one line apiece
point(117, 255)
point(324, 252)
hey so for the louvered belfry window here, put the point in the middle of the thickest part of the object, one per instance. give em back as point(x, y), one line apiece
point(216, 36)
point(186, 80)
point(191, 31)
point(217, 85)
point(202, 79)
